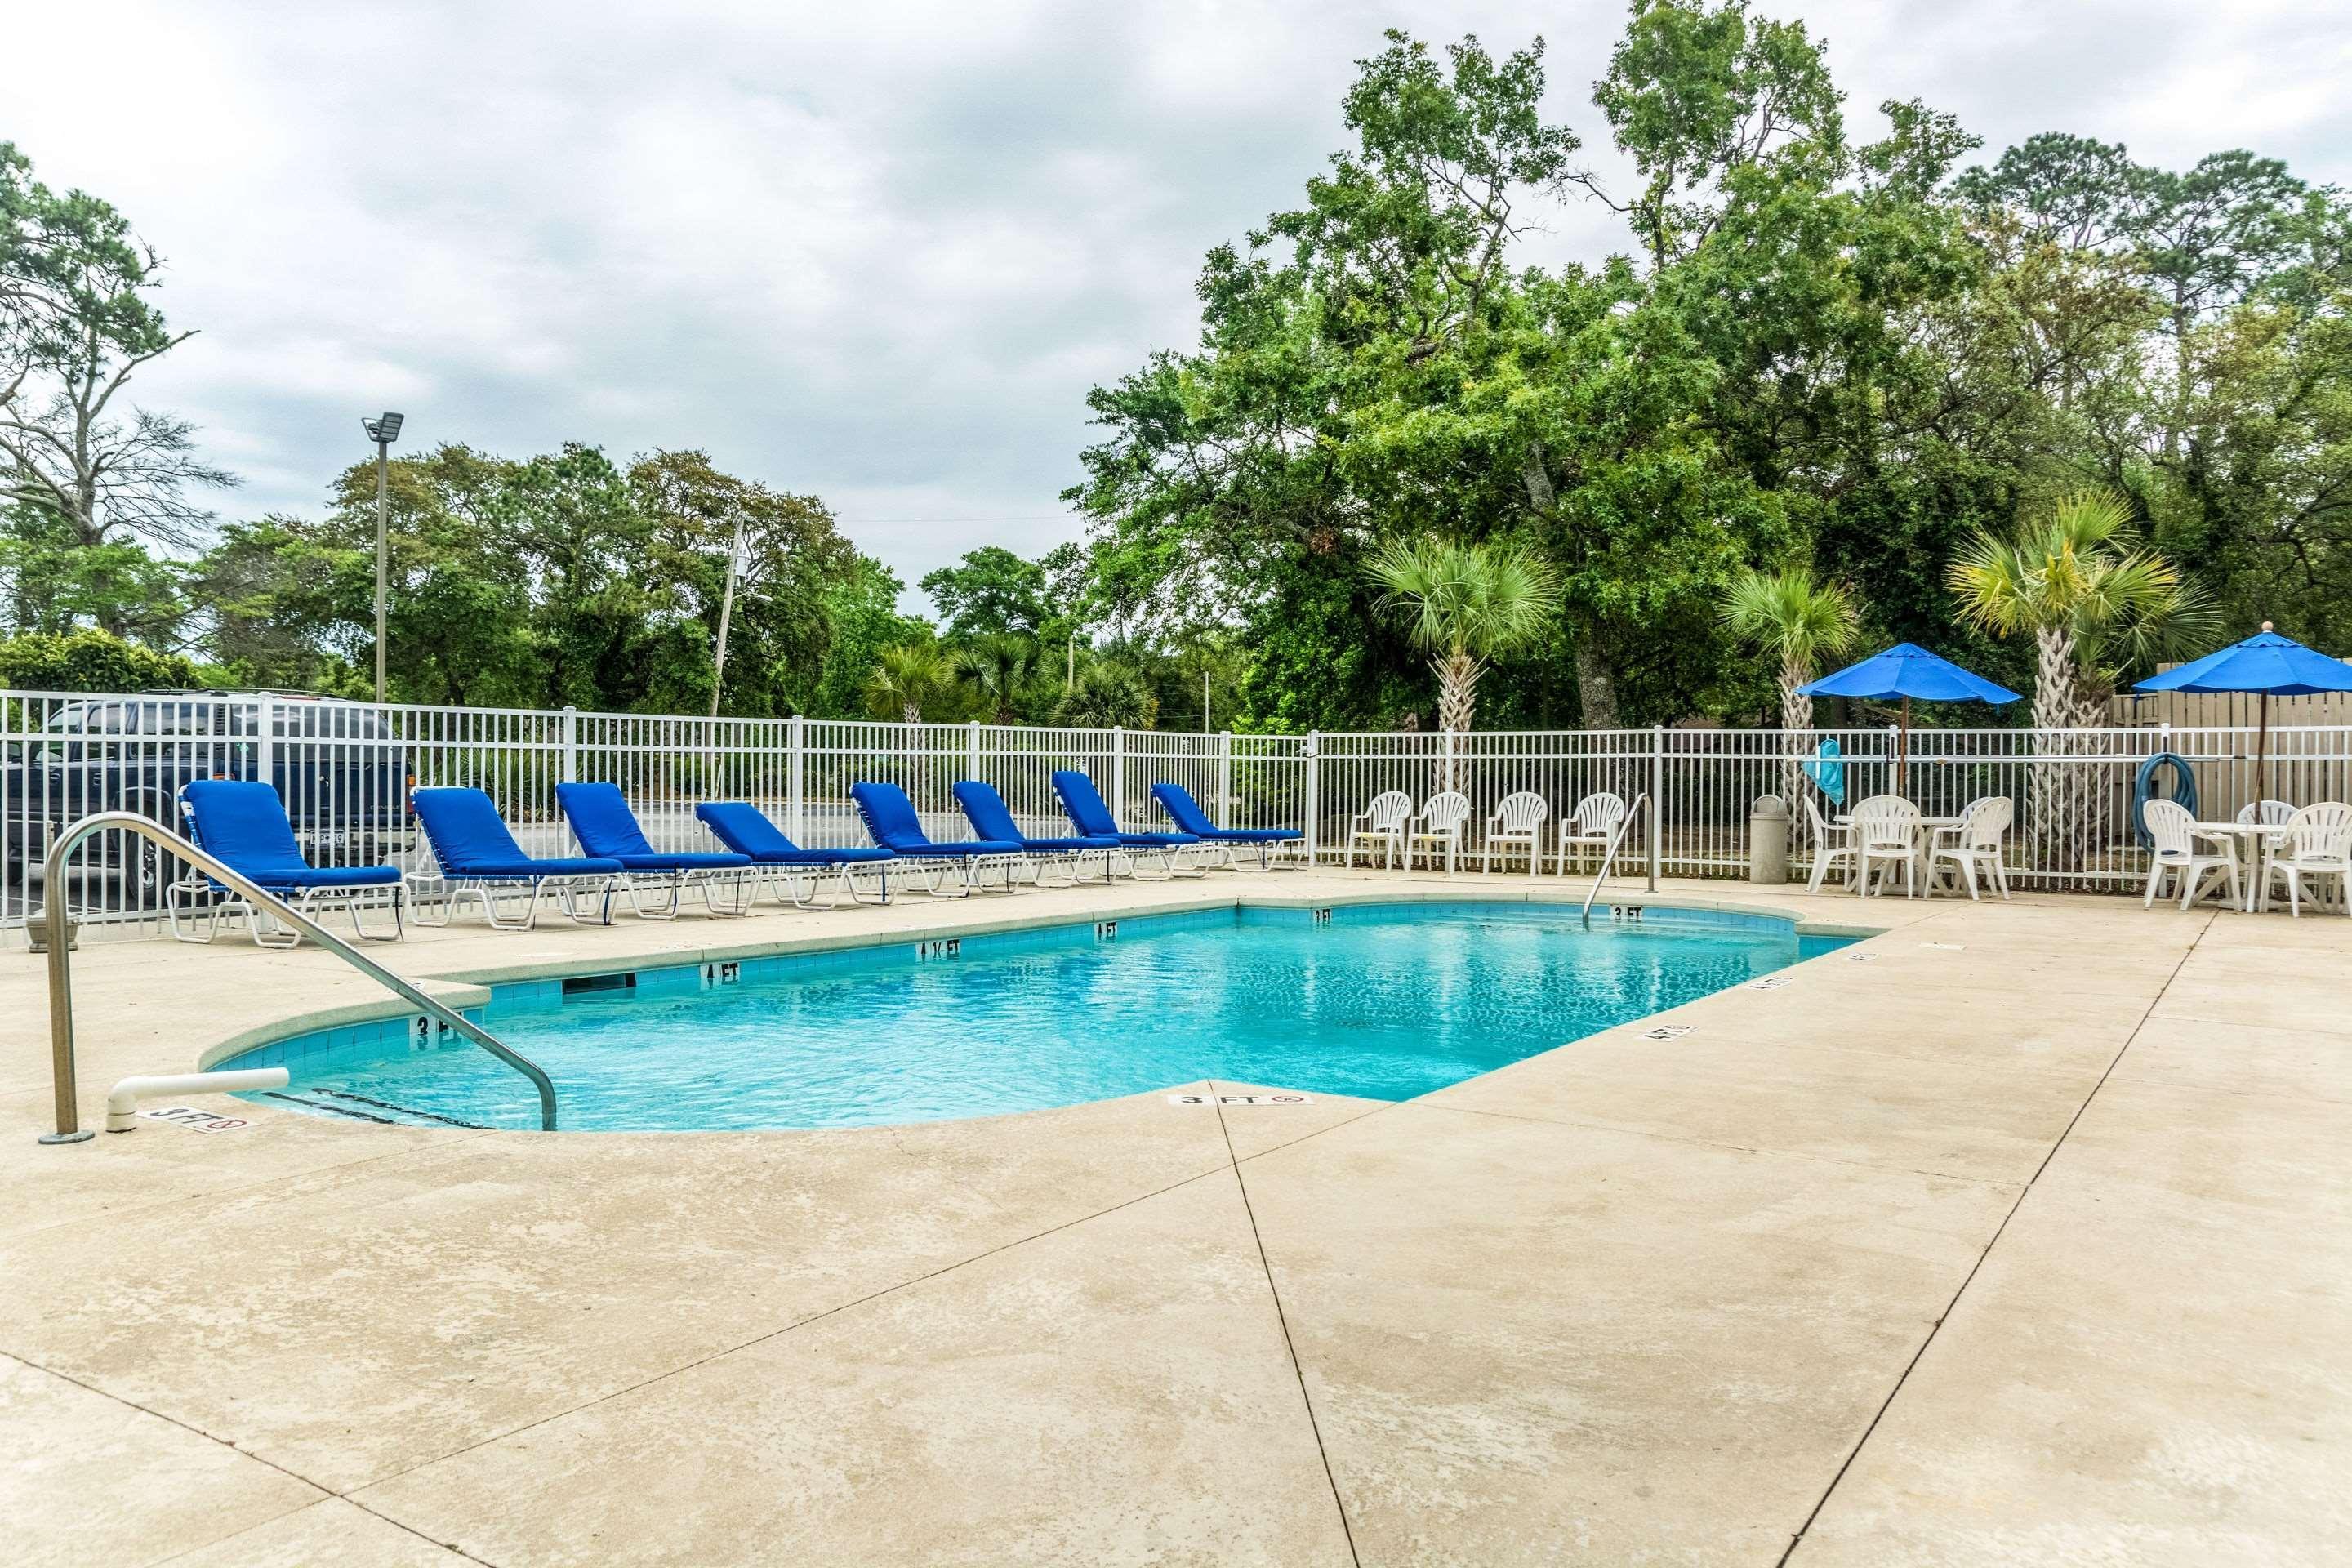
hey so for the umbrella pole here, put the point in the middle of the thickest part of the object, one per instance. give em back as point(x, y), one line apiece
point(2261, 745)
point(1903, 753)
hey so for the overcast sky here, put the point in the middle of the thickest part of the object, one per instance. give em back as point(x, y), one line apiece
point(877, 251)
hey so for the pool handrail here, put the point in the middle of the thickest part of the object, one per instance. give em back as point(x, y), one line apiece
point(57, 924)
point(1616, 837)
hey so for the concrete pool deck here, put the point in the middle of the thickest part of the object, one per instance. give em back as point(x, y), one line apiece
point(2017, 1234)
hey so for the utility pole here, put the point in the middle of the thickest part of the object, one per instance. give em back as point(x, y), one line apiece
point(726, 616)
point(383, 432)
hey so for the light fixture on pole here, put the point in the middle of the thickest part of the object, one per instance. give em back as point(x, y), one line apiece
point(383, 432)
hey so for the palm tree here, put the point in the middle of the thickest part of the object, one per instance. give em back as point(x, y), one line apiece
point(998, 666)
point(1107, 694)
point(1465, 605)
point(1788, 615)
point(908, 678)
point(2095, 604)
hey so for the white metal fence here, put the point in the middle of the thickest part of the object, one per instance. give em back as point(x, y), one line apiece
point(345, 770)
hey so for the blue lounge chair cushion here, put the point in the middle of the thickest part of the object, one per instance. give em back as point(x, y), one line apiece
point(992, 819)
point(745, 828)
point(1186, 814)
point(245, 823)
point(608, 830)
point(890, 819)
point(471, 842)
point(1092, 817)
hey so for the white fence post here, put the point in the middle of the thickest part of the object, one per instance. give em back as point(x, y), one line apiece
point(795, 778)
point(265, 741)
point(1657, 797)
point(1118, 775)
point(570, 744)
point(971, 749)
point(1311, 754)
point(1445, 759)
point(1225, 777)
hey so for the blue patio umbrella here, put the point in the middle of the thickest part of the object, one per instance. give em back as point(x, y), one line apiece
point(2267, 663)
point(1907, 670)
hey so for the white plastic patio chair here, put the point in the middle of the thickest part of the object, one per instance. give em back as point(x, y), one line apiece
point(2317, 844)
point(1380, 825)
point(1886, 835)
point(1832, 842)
point(1518, 819)
point(1975, 840)
point(2269, 812)
point(1591, 825)
point(2177, 850)
point(1439, 826)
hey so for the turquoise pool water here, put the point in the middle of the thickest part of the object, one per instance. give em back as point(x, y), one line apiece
point(1384, 1002)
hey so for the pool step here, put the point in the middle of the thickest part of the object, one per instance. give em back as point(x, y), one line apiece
point(365, 1107)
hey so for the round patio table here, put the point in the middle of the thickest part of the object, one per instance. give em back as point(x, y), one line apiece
point(2261, 838)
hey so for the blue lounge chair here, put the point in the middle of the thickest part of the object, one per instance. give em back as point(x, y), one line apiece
point(1092, 817)
point(1186, 814)
point(891, 817)
point(476, 855)
point(992, 819)
point(745, 828)
point(601, 819)
point(244, 823)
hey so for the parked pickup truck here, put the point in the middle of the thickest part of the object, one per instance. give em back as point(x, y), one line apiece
point(343, 778)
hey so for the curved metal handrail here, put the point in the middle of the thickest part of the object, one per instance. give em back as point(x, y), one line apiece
point(59, 935)
point(1616, 837)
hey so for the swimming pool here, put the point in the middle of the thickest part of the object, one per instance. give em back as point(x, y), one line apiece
point(1381, 1001)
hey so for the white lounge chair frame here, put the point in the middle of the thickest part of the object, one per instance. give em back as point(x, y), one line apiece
point(1518, 819)
point(448, 890)
point(1886, 835)
point(1439, 826)
point(1975, 840)
point(2176, 837)
point(200, 922)
point(2318, 845)
point(1832, 842)
point(1380, 823)
point(1591, 825)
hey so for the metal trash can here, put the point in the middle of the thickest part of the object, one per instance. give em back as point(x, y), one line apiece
point(1768, 841)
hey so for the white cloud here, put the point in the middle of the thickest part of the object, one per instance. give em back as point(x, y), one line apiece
point(876, 251)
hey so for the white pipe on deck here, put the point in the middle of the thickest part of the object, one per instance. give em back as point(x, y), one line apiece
point(122, 1099)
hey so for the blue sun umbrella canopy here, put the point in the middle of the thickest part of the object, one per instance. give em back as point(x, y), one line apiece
point(1906, 669)
point(2266, 663)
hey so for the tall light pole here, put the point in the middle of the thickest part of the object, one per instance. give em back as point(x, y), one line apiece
point(383, 432)
point(726, 615)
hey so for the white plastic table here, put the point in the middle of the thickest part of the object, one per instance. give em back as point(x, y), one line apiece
point(2260, 837)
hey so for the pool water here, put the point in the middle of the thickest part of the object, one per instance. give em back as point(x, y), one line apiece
point(1382, 1002)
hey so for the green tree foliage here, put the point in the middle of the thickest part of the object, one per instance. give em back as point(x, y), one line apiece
point(992, 591)
point(1463, 605)
point(89, 660)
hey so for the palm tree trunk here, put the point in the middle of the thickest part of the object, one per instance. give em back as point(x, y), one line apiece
point(1457, 681)
point(909, 713)
point(2058, 787)
point(1796, 726)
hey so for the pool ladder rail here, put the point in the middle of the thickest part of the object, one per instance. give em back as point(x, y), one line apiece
point(57, 924)
point(1616, 837)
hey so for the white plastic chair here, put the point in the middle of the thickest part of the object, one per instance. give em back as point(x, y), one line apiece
point(2269, 812)
point(1518, 819)
point(1380, 825)
point(1832, 842)
point(1975, 840)
point(2176, 851)
point(1439, 825)
point(1886, 832)
point(1591, 825)
point(2317, 843)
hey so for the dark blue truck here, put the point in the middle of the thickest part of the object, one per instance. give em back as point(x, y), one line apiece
point(344, 776)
